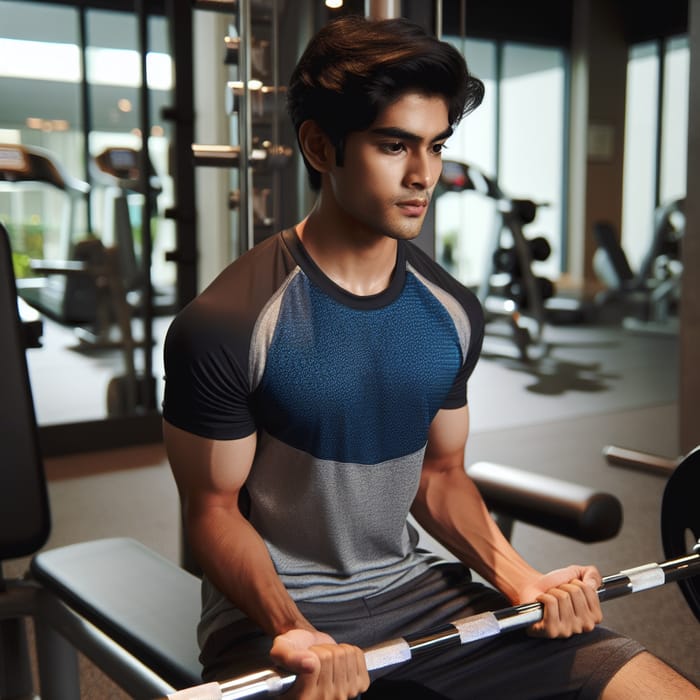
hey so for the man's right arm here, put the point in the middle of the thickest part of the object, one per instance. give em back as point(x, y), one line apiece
point(209, 475)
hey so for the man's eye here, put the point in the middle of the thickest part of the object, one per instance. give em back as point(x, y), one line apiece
point(394, 147)
point(439, 148)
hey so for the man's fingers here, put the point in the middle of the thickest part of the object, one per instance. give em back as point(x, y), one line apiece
point(561, 619)
point(568, 609)
point(294, 659)
point(550, 616)
point(586, 604)
point(351, 664)
point(342, 672)
point(325, 670)
point(361, 673)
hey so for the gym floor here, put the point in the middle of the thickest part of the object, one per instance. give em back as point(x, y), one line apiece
point(596, 386)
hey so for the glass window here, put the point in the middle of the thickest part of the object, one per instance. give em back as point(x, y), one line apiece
point(674, 125)
point(528, 102)
point(39, 80)
point(639, 180)
point(114, 74)
point(645, 178)
point(532, 140)
point(465, 220)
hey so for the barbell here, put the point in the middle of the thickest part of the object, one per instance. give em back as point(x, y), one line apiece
point(680, 518)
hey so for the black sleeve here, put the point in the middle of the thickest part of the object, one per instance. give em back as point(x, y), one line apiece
point(458, 395)
point(206, 381)
point(207, 347)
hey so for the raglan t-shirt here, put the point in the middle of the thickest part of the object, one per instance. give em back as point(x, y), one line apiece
point(341, 390)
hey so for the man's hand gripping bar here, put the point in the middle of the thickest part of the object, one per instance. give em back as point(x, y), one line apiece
point(270, 683)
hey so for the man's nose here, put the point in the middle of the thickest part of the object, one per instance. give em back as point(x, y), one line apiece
point(419, 174)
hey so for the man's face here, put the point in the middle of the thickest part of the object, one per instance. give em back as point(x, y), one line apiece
point(390, 170)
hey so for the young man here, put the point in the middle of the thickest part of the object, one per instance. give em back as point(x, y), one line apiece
point(316, 393)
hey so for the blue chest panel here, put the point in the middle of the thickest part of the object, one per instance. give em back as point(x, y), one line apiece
point(357, 385)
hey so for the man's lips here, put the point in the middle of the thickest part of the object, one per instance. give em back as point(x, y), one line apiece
point(413, 207)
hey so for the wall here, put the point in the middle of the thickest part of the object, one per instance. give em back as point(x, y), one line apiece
point(599, 73)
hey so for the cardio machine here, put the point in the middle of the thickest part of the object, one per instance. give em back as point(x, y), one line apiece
point(87, 286)
point(66, 295)
point(82, 286)
point(117, 172)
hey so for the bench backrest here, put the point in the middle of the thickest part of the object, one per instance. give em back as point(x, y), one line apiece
point(24, 509)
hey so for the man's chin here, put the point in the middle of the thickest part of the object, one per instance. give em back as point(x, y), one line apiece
point(405, 233)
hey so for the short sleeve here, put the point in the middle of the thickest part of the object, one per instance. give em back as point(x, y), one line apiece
point(206, 387)
point(457, 396)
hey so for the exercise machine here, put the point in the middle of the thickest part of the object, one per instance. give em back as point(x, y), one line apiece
point(116, 171)
point(513, 297)
point(82, 286)
point(89, 288)
point(67, 295)
point(649, 297)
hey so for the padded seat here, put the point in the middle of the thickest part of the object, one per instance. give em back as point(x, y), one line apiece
point(573, 510)
point(141, 600)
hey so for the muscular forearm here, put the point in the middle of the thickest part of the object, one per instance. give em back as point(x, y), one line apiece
point(450, 508)
point(235, 559)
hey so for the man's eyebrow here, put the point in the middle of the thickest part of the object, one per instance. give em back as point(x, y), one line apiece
point(398, 133)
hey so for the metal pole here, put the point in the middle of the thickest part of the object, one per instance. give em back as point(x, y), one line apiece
point(147, 393)
point(86, 111)
point(245, 125)
point(275, 61)
point(182, 115)
point(382, 9)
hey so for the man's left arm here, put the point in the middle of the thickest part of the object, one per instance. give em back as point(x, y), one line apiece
point(450, 508)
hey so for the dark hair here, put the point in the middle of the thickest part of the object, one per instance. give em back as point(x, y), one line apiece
point(355, 67)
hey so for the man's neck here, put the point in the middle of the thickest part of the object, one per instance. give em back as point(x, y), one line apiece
point(359, 261)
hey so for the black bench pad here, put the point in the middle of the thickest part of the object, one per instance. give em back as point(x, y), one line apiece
point(563, 507)
point(144, 602)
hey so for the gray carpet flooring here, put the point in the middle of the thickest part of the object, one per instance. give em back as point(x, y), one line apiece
point(596, 386)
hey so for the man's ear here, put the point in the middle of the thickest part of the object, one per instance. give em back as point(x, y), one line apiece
point(316, 146)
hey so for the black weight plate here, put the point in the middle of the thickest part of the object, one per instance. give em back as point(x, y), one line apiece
point(540, 249)
point(680, 513)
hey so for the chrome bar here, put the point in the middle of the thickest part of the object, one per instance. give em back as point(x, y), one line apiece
point(270, 683)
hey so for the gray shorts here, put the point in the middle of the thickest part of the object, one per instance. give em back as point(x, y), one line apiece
point(509, 666)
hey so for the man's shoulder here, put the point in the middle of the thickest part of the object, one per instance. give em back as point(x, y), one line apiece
point(260, 261)
point(250, 279)
point(432, 271)
point(228, 307)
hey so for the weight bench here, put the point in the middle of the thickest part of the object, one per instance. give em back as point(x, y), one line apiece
point(140, 605)
point(129, 610)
